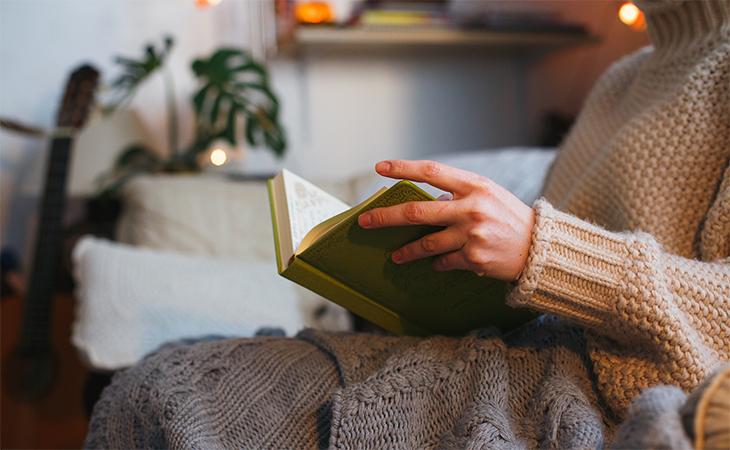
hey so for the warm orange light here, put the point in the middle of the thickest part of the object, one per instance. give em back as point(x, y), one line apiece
point(313, 12)
point(632, 16)
point(206, 3)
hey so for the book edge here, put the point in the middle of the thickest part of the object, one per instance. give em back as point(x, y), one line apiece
point(277, 244)
point(369, 310)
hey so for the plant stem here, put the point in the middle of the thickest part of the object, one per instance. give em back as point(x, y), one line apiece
point(171, 113)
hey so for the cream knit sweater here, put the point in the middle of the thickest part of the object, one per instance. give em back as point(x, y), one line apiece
point(633, 236)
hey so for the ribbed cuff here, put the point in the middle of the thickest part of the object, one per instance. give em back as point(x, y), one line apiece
point(575, 269)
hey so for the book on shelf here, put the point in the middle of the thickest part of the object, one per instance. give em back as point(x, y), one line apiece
point(381, 14)
point(380, 18)
point(320, 246)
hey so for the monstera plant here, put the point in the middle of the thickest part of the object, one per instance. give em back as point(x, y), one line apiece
point(235, 86)
point(234, 100)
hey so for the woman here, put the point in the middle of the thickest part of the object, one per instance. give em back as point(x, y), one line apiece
point(628, 250)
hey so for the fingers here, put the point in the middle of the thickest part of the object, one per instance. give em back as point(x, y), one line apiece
point(410, 213)
point(451, 261)
point(433, 244)
point(448, 251)
point(487, 229)
point(444, 177)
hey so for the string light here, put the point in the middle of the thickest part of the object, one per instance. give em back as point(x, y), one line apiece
point(632, 16)
point(313, 12)
point(218, 157)
point(207, 3)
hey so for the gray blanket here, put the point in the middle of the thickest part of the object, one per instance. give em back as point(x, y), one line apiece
point(531, 389)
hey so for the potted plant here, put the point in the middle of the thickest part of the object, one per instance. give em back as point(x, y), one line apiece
point(234, 99)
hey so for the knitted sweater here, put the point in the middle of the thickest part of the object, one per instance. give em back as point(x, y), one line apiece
point(630, 253)
point(641, 260)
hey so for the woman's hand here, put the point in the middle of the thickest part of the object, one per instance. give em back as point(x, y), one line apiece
point(488, 230)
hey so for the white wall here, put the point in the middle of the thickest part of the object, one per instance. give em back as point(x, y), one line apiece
point(358, 109)
point(42, 41)
point(343, 113)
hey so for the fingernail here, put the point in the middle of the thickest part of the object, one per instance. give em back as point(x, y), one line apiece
point(364, 220)
point(383, 166)
point(396, 256)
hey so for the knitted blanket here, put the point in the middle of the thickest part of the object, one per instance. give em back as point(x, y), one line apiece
point(530, 389)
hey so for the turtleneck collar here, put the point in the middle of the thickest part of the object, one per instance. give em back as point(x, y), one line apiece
point(675, 24)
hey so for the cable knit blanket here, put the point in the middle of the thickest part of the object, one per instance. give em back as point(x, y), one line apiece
point(346, 391)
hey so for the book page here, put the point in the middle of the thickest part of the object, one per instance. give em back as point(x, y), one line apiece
point(325, 227)
point(308, 205)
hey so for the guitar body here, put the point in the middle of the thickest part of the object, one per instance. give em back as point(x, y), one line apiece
point(58, 419)
point(34, 363)
point(30, 373)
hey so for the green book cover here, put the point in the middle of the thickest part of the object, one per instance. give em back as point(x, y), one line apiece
point(352, 267)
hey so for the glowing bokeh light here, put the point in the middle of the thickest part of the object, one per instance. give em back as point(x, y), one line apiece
point(628, 13)
point(218, 157)
point(313, 12)
point(632, 16)
point(206, 3)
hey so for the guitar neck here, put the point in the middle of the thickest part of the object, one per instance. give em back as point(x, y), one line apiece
point(29, 369)
point(39, 301)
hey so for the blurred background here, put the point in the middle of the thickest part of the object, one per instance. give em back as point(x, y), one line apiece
point(355, 81)
point(344, 105)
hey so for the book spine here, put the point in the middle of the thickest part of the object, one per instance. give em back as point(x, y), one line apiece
point(315, 280)
point(279, 262)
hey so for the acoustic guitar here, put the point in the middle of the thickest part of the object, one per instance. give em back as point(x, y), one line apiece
point(29, 371)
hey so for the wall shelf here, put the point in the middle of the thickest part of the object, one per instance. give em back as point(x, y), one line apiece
point(319, 38)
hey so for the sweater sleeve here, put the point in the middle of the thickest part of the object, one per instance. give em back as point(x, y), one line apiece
point(622, 286)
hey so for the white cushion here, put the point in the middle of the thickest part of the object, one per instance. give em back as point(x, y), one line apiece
point(200, 214)
point(131, 300)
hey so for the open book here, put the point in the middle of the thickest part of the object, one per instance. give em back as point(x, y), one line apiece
point(320, 246)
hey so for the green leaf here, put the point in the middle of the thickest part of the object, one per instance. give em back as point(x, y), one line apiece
point(251, 66)
point(229, 133)
point(234, 85)
point(134, 72)
point(136, 155)
point(251, 125)
point(199, 99)
point(215, 110)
